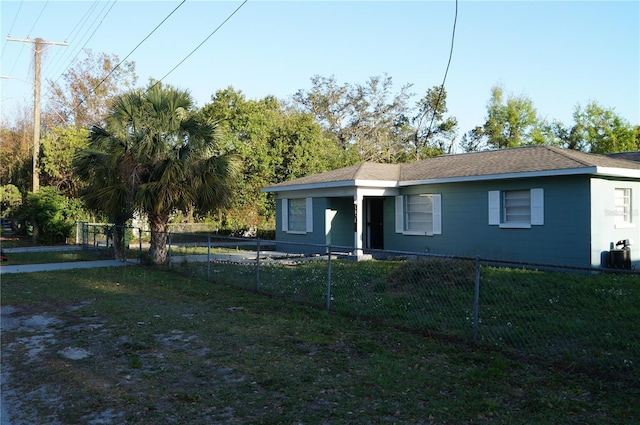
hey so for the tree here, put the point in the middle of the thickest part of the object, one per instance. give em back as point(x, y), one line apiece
point(16, 152)
point(157, 156)
point(473, 140)
point(10, 199)
point(428, 133)
point(600, 130)
point(362, 117)
point(510, 122)
point(59, 147)
point(274, 144)
point(83, 97)
point(596, 129)
point(300, 148)
point(50, 215)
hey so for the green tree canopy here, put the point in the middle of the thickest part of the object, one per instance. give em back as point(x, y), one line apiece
point(600, 130)
point(58, 148)
point(274, 143)
point(50, 215)
point(156, 156)
point(377, 123)
point(510, 121)
point(10, 199)
point(428, 132)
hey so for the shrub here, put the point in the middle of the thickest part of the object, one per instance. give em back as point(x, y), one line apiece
point(10, 199)
point(50, 215)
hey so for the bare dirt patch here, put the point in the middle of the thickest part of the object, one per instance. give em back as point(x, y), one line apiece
point(71, 366)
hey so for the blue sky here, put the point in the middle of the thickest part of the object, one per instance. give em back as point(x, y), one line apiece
point(557, 53)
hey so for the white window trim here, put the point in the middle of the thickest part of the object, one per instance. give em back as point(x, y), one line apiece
point(537, 210)
point(627, 224)
point(437, 216)
point(309, 218)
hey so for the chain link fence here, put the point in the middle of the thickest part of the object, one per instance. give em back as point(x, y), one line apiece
point(581, 319)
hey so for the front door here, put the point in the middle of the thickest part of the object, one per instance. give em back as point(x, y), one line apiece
point(374, 223)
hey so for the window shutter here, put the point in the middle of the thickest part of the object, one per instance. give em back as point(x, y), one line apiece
point(537, 207)
point(309, 215)
point(494, 207)
point(399, 214)
point(437, 214)
point(285, 215)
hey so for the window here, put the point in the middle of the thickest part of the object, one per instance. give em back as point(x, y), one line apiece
point(418, 214)
point(297, 215)
point(622, 207)
point(516, 208)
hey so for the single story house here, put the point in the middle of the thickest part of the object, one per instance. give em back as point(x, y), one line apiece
point(537, 204)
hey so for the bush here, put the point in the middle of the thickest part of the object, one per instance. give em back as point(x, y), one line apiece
point(49, 215)
point(10, 199)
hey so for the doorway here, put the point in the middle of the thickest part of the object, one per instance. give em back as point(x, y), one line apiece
point(374, 219)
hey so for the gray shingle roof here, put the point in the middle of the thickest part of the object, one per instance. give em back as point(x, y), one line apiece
point(529, 159)
point(508, 161)
point(631, 156)
point(363, 171)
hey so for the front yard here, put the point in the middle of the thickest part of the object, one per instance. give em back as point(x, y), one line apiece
point(139, 345)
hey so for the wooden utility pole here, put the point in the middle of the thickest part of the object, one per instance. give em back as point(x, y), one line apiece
point(38, 43)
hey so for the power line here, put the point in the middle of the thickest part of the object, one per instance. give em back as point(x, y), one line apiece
point(134, 49)
point(37, 19)
point(72, 36)
point(453, 36)
point(11, 27)
point(92, 34)
point(200, 45)
point(130, 53)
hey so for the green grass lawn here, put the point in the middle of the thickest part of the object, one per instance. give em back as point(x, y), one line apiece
point(20, 258)
point(170, 348)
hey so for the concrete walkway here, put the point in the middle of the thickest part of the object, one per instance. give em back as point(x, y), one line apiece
point(29, 268)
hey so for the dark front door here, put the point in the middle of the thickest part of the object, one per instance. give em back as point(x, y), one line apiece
point(375, 223)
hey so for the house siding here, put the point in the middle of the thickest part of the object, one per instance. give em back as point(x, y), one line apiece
point(562, 239)
point(341, 232)
point(604, 231)
point(316, 236)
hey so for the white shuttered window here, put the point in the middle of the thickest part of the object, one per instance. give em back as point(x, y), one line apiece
point(419, 214)
point(297, 215)
point(516, 208)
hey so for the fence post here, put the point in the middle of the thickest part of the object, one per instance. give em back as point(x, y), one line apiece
point(169, 242)
point(329, 278)
point(258, 266)
point(115, 241)
point(125, 243)
point(476, 301)
point(208, 258)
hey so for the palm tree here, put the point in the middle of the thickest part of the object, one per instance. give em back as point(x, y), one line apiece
point(156, 156)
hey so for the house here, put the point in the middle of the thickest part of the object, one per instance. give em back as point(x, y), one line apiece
point(538, 204)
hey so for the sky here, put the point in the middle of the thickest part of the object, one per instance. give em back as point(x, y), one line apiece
point(559, 54)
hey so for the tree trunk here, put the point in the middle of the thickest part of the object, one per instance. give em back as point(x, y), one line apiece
point(35, 232)
point(158, 246)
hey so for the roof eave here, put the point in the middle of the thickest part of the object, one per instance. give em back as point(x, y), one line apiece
point(618, 172)
point(336, 184)
point(593, 170)
point(519, 175)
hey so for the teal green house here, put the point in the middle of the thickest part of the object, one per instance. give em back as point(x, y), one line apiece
point(535, 204)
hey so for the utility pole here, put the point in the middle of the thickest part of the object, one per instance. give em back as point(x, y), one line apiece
point(38, 43)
